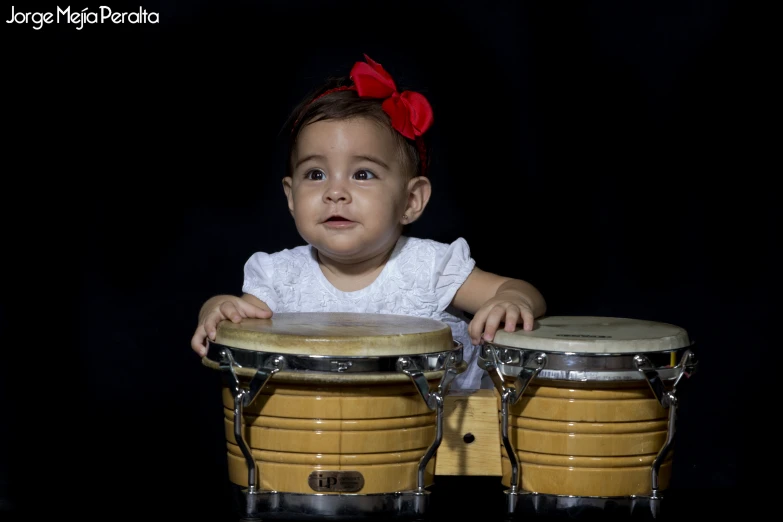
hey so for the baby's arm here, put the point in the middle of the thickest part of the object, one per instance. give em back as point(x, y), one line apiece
point(494, 299)
point(221, 307)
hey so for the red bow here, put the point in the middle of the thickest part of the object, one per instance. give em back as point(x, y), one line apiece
point(410, 112)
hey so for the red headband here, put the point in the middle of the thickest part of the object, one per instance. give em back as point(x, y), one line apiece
point(410, 112)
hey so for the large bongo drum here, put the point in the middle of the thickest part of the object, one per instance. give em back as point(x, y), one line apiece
point(333, 414)
point(587, 412)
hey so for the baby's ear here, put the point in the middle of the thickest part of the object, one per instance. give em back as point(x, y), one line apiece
point(289, 192)
point(419, 192)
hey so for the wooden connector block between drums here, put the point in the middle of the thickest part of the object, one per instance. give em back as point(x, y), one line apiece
point(471, 435)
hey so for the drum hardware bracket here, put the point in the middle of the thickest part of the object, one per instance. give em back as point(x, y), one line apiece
point(687, 367)
point(258, 381)
point(509, 397)
point(244, 397)
point(668, 400)
point(526, 374)
point(656, 497)
point(433, 400)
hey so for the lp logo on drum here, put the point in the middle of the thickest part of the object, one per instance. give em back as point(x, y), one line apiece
point(343, 481)
point(330, 481)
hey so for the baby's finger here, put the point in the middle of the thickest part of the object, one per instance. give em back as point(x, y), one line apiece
point(476, 326)
point(198, 342)
point(528, 319)
point(493, 322)
point(513, 314)
point(230, 311)
point(260, 311)
point(210, 324)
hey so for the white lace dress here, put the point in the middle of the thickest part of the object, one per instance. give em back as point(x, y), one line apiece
point(420, 279)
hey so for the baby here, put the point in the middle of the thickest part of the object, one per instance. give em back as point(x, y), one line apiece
point(357, 175)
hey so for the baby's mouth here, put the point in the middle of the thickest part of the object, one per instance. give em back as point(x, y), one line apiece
point(338, 222)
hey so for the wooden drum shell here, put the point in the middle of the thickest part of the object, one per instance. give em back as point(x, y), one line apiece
point(587, 439)
point(380, 430)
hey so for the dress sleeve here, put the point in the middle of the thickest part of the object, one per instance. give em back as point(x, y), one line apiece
point(452, 266)
point(258, 278)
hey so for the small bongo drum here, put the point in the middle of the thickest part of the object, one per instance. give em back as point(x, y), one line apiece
point(587, 412)
point(333, 414)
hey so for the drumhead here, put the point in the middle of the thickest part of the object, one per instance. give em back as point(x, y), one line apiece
point(587, 334)
point(338, 333)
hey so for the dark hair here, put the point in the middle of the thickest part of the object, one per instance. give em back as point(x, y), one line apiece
point(345, 104)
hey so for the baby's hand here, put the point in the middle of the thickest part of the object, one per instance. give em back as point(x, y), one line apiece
point(507, 307)
point(228, 307)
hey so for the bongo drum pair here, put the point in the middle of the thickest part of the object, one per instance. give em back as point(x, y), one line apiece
point(342, 415)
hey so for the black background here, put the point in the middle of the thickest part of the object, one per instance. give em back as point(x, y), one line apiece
point(607, 152)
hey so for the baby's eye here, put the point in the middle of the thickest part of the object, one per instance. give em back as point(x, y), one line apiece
point(363, 175)
point(315, 175)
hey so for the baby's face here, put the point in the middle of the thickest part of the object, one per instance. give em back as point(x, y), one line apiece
point(348, 191)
